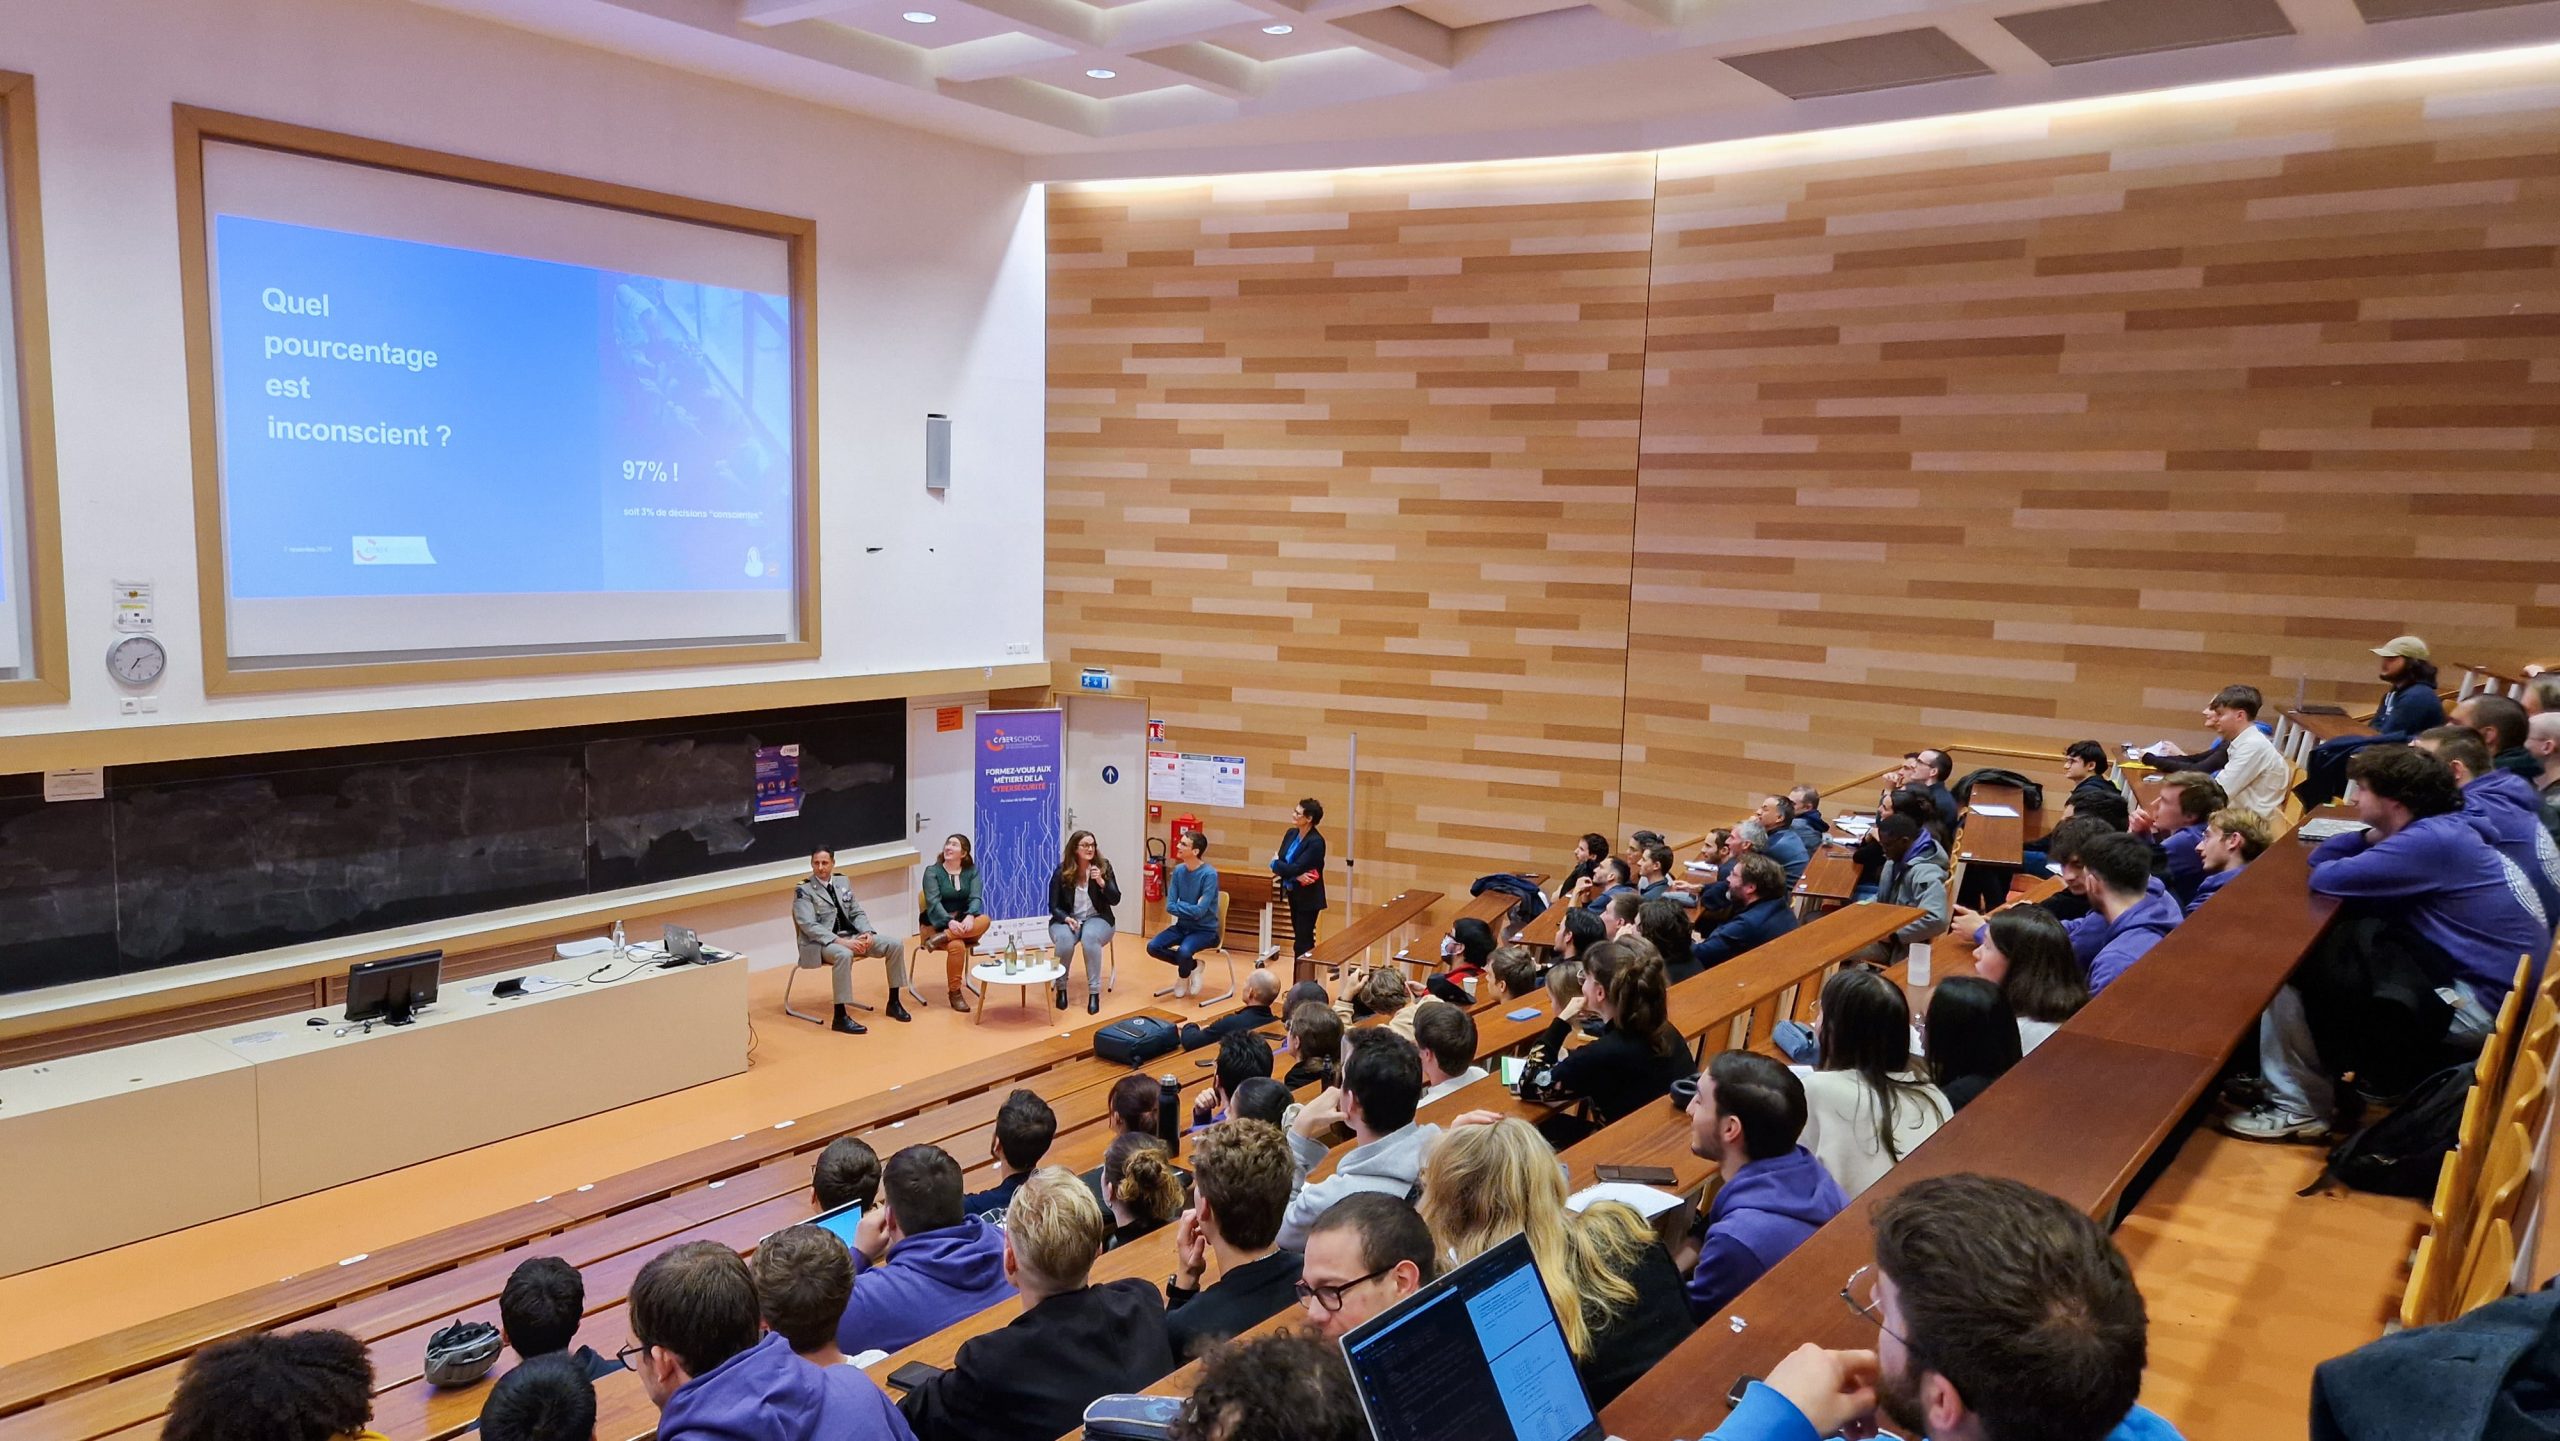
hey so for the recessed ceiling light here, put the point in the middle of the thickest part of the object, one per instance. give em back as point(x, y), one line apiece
point(920, 17)
point(1278, 29)
point(1103, 74)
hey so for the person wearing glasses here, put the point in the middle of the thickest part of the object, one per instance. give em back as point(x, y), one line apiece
point(1365, 1254)
point(714, 1373)
point(1297, 872)
point(1999, 1310)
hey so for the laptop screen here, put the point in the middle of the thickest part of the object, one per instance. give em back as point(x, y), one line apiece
point(841, 1221)
point(1477, 1353)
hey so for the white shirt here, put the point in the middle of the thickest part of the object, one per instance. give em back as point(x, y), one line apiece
point(1458, 1082)
point(2254, 774)
point(1840, 1124)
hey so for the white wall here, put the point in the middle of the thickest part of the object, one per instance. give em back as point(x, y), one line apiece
point(930, 296)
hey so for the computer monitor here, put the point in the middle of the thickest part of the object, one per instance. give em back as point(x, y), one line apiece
point(393, 989)
point(841, 1221)
point(681, 944)
point(1478, 1353)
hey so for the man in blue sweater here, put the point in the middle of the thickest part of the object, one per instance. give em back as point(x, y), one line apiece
point(700, 1358)
point(1746, 1117)
point(2503, 807)
point(2444, 902)
point(2001, 1314)
point(920, 1260)
point(2129, 912)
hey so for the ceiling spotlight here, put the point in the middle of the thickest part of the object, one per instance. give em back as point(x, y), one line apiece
point(920, 17)
point(1103, 74)
point(1278, 29)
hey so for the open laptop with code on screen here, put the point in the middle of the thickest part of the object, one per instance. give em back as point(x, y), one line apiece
point(1478, 1353)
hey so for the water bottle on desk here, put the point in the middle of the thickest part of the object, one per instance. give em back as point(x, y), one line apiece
point(619, 949)
point(1920, 963)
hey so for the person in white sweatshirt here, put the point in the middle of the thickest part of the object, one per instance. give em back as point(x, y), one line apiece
point(1865, 1108)
point(1381, 1087)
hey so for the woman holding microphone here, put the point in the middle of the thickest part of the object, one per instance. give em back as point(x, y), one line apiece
point(1297, 872)
point(1081, 895)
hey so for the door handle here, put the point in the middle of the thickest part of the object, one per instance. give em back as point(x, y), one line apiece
point(919, 820)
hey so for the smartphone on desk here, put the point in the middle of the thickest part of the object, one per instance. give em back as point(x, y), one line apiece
point(1637, 1175)
point(912, 1375)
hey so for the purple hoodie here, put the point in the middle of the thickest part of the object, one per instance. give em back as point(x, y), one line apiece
point(1764, 1212)
point(2130, 937)
point(2186, 866)
point(929, 1281)
point(2437, 874)
point(2213, 882)
point(2507, 811)
point(2089, 930)
point(765, 1393)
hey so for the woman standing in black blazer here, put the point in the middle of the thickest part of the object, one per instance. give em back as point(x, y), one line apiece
point(1297, 872)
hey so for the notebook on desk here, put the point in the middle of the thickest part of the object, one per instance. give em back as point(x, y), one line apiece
point(1477, 1353)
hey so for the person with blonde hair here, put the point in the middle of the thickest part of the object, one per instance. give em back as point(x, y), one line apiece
point(1140, 1187)
point(1074, 1341)
point(1616, 1291)
point(2233, 837)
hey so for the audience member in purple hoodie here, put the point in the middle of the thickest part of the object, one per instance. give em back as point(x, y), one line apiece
point(2174, 822)
point(714, 1378)
point(1746, 1117)
point(2458, 909)
point(920, 1261)
point(2132, 913)
point(2504, 807)
point(2232, 838)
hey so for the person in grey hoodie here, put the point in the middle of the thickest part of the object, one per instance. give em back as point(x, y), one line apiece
point(1746, 1117)
point(714, 1378)
point(2503, 807)
point(1381, 1088)
point(920, 1260)
point(1915, 874)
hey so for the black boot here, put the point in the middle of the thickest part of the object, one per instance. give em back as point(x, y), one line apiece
point(1062, 993)
point(1093, 1003)
point(847, 1025)
point(898, 1008)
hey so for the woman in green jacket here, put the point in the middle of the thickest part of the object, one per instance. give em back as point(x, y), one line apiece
point(955, 914)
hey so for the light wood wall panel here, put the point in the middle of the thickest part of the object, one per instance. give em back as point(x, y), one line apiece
point(2011, 433)
point(2002, 431)
point(1356, 453)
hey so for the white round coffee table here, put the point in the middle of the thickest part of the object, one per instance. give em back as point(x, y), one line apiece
point(1043, 971)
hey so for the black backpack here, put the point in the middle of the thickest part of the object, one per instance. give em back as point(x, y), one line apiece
point(2401, 1154)
point(1962, 790)
point(1137, 1040)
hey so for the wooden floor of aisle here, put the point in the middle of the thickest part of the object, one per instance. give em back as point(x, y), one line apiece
point(2250, 1286)
point(795, 1068)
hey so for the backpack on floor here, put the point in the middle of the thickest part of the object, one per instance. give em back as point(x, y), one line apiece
point(2400, 1154)
point(1137, 1040)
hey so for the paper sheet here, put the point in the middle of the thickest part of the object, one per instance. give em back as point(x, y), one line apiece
point(1989, 808)
point(1647, 1201)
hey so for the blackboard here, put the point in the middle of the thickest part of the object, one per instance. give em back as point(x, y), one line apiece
point(185, 861)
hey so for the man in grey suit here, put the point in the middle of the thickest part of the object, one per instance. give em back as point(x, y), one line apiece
point(834, 932)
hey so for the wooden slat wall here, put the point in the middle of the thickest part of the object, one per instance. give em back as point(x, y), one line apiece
point(2032, 431)
point(1357, 452)
point(2002, 431)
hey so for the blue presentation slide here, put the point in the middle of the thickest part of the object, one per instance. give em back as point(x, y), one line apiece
point(402, 419)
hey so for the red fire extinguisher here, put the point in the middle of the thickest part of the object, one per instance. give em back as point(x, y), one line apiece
point(1155, 869)
point(1181, 824)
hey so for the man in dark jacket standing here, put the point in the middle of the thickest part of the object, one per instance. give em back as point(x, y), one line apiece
point(1072, 1343)
point(1746, 1117)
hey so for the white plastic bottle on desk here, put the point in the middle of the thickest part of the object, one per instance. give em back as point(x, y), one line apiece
point(1920, 963)
point(619, 949)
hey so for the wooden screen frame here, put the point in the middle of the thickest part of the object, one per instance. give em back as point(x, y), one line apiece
point(47, 673)
point(194, 127)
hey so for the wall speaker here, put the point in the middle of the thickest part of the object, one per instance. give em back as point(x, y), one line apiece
point(937, 452)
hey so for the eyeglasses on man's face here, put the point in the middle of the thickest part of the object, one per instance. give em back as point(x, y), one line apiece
point(1864, 1295)
point(1330, 1297)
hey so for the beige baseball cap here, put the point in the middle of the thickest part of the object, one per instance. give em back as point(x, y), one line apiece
point(2407, 647)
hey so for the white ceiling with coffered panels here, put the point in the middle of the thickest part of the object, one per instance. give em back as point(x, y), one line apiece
point(1145, 87)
